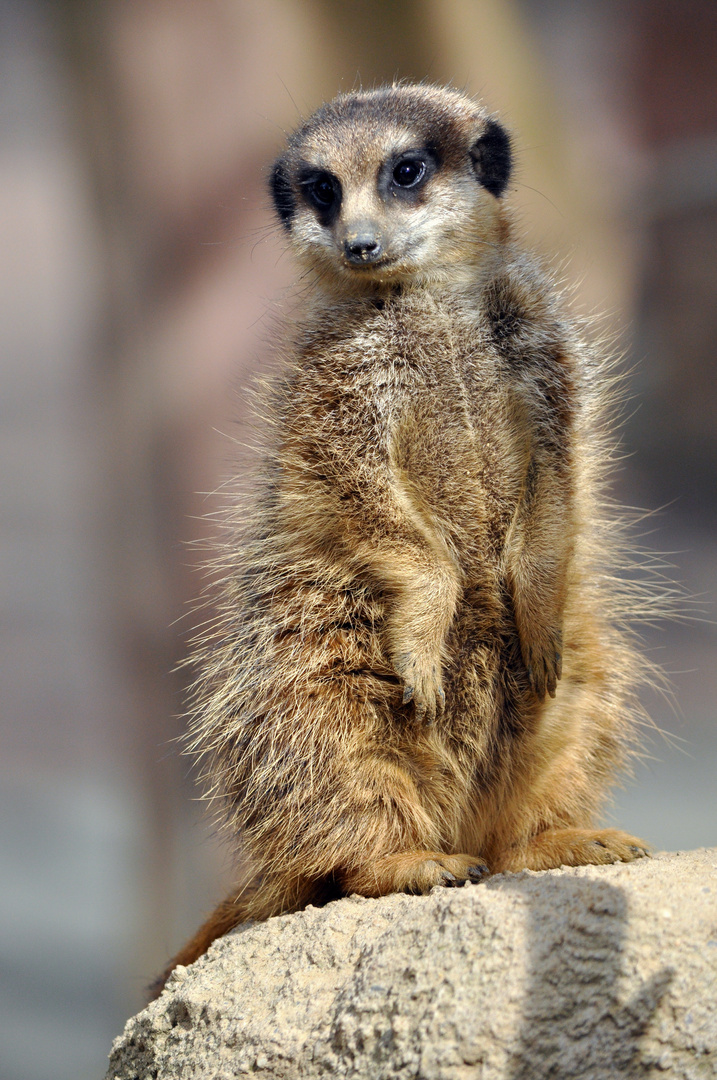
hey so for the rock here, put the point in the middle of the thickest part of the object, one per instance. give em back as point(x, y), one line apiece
point(591, 973)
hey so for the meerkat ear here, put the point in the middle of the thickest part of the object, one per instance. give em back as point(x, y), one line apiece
point(492, 158)
point(282, 194)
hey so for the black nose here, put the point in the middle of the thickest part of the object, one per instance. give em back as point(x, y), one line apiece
point(363, 248)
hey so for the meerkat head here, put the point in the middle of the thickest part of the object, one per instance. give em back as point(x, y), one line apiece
point(399, 184)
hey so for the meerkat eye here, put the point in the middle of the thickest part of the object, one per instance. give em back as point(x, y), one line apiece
point(322, 190)
point(409, 172)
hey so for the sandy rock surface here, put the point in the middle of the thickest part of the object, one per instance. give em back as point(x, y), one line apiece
point(591, 973)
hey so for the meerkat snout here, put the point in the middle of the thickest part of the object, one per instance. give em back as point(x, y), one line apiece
point(362, 245)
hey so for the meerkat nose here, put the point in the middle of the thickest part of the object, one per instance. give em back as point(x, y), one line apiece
point(362, 247)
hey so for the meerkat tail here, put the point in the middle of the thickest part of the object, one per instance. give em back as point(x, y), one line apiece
point(230, 913)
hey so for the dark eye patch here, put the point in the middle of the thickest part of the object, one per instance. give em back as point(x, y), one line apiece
point(282, 193)
point(322, 191)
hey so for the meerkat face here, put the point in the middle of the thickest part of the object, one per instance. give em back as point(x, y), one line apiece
point(398, 184)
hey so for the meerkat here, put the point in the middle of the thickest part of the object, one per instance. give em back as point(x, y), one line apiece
point(419, 672)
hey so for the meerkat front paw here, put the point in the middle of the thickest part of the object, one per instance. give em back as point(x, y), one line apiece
point(543, 659)
point(422, 684)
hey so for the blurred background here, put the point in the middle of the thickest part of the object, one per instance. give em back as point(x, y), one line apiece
point(139, 269)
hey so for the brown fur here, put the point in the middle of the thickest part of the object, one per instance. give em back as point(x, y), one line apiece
point(419, 670)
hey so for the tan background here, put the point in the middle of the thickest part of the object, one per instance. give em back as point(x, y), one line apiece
point(139, 266)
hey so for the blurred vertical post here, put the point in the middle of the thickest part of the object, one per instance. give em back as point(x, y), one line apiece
point(675, 94)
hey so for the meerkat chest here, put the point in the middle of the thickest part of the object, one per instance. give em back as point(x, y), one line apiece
point(436, 365)
point(416, 393)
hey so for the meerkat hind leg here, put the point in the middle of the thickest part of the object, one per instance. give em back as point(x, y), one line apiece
point(571, 847)
point(413, 872)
